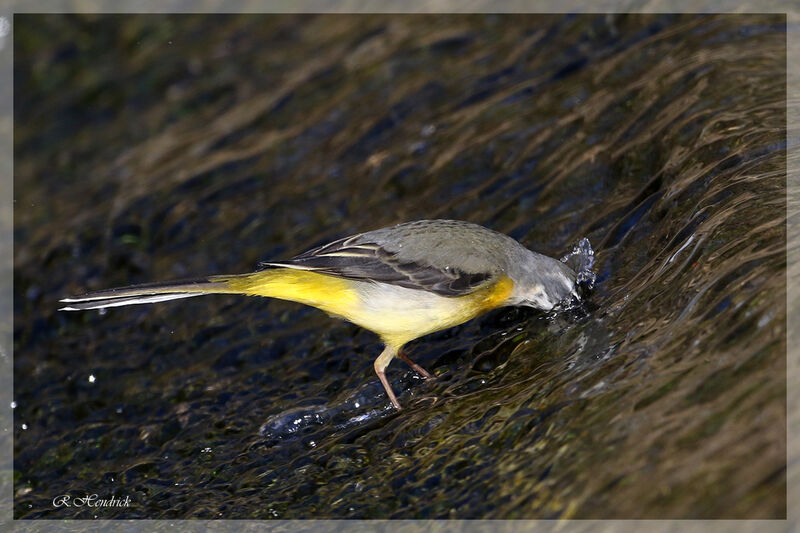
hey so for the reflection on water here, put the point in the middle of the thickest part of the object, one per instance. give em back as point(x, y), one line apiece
point(155, 147)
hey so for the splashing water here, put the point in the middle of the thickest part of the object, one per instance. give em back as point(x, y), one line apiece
point(581, 260)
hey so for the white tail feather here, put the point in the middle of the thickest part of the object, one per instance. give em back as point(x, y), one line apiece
point(94, 303)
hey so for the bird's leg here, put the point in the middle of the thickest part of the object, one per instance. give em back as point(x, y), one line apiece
point(418, 369)
point(381, 363)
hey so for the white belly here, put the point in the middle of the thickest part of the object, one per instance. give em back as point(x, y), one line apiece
point(399, 314)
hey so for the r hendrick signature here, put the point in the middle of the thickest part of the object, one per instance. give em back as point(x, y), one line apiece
point(90, 500)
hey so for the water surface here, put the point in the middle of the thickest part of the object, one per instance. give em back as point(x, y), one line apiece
point(161, 147)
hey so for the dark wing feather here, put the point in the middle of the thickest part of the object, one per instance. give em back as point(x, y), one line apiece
point(352, 259)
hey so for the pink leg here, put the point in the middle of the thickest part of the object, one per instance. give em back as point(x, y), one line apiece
point(418, 369)
point(381, 363)
point(389, 391)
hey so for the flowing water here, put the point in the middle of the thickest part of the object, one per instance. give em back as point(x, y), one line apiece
point(161, 147)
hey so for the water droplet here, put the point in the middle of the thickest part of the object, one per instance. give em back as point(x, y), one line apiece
point(581, 260)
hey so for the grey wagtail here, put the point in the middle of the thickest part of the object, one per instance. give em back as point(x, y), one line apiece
point(400, 282)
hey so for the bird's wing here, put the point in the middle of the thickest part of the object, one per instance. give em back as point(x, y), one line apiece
point(355, 258)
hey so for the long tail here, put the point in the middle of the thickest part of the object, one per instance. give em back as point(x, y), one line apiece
point(150, 293)
point(331, 294)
